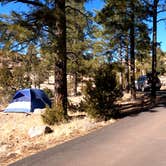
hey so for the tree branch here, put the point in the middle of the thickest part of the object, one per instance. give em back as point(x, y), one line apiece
point(147, 3)
point(77, 10)
point(35, 3)
point(162, 19)
point(160, 11)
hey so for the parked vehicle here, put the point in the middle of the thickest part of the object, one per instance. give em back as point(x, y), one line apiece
point(144, 83)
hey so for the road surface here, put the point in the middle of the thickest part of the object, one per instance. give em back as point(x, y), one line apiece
point(138, 140)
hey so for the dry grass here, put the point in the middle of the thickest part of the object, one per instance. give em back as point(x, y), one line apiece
point(15, 143)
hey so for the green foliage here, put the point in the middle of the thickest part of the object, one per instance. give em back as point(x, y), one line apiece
point(48, 92)
point(20, 79)
point(5, 77)
point(161, 65)
point(6, 85)
point(101, 93)
point(12, 80)
point(76, 40)
point(54, 115)
point(124, 27)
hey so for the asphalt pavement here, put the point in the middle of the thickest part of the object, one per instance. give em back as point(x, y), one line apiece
point(137, 140)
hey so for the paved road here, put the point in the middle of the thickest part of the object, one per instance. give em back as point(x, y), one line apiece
point(138, 140)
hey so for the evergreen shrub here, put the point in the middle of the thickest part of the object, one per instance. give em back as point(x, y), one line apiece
point(101, 94)
point(48, 92)
point(54, 115)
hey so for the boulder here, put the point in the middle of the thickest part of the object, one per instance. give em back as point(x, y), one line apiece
point(39, 130)
point(4, 148)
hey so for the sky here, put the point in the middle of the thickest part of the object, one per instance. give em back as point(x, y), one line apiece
point(93, 5)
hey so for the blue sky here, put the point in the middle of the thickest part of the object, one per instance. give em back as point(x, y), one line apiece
point(12, 6)
point(161, 32)
point(93, 5)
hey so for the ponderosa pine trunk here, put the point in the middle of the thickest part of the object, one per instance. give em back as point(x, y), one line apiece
point(132, 52)
point(75, 83)
point(127, 70)
point(60, 86)
point(154, 47)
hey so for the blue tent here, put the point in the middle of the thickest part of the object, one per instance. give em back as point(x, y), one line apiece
point(26, 100)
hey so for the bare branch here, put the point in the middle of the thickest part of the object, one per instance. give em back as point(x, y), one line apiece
point(49, 31)
point(35, 3)
point(160, 11)
point(149, 20)
point(162, 19)
point(147, 3)
point(30, 2)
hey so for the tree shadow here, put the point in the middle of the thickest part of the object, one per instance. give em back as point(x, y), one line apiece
point(142, 104)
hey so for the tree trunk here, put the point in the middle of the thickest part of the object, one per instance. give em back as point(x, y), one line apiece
point(132, 53)
point(60, 86)
point(154, 47)
point(121, 61)
point(75, 83)
point(127, 70)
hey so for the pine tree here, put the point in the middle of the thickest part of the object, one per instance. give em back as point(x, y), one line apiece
point(122, 20)
point(45, 25)
point(154, 7)
point(76, 41)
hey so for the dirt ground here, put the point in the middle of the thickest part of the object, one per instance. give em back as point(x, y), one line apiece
point(15, 143)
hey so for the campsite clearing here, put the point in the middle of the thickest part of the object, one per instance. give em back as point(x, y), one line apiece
point(15, 143)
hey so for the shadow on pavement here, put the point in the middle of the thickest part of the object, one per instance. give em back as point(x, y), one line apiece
point(141, 104)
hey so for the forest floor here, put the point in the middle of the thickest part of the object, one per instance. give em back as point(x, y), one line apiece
point(15, 143)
